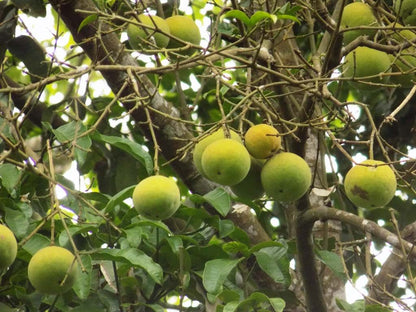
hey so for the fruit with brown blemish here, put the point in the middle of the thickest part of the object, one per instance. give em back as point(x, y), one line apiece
point(370, 184)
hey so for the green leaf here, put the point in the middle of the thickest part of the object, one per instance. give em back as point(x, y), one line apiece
point(333, 261)
point(235, 247)
point(119, 198)
point(270, 265)
point(357, 306)
point(31, 53)
point(82, 285)
point(256, 301)
point(88, 20)
point(36, 242)
point(10, 177)
point(259, 16)
point(216, 272)
point(220, 200)
point(240, 15)
point(133, 148)
point(134, 257)
point(35, 8)
point(225, 228)
point(262, 245)
point(73, 133)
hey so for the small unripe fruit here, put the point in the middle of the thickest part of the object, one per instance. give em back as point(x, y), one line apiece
point(202, 145)
point(406, 9)
point(365, 62)
point(226, 162)
point(52, 270)
point(286, 177)
point(183, 28)
point(156, 197)
point(370, 184)
point(357, 14)
point(8, 247)
point(250, 188)
point(262, 141)
point(151, 36)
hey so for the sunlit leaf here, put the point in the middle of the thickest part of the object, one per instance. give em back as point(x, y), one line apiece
point(129, 146)
point(215, 273)
point(133, 256)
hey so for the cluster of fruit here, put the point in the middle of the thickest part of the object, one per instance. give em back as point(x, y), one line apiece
point(52, 270)
point(151, 31)
point(371, 66)
point(253, 167)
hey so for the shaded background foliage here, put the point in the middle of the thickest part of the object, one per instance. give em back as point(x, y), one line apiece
point(71, 100)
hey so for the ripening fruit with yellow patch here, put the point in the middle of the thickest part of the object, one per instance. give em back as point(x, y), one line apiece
point(367, 65)
point(152, 35)
point(52, 270)
point(183, 28)
point(226, 162)
point(370, 184)
point(357, 14)
point(250, 187)
point(156, 197)
point(202, 145)
point(262, 141)
point(8, 248)
point(286, 177)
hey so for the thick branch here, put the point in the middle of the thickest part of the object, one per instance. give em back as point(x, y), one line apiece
point(310, 216)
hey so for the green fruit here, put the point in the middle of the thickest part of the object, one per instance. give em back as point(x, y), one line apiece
point(357, 14)
point(406, 9)
point(183, 28)
point(226, 162)
point(365, 62)
point(52, 270)
point(262, 141)
point(403, 65)
point(8, 248)
point(250, 188)
point(405, 62)
point(148, 37)
point(286, 177)
point(201, 145)
point(156, 197)
point(370, 184)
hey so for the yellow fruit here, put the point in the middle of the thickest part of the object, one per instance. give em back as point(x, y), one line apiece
point(8, 247)
point(148, 37)
point(156, 197)
point(250, 188)
point(286, 177)
point(183, 28)
point(365, 62)
point(262, 141)
point(370, 184)
point(406, 9)
point(201, 145)
point(226, 161)
point(357, 14)
point(52, 270)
